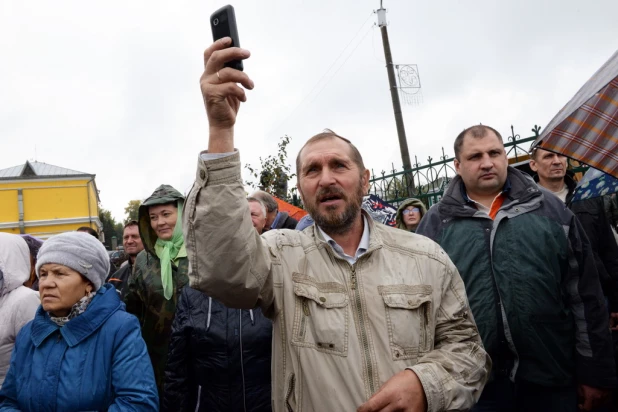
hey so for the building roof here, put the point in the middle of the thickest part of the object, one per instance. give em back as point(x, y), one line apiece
point(33, 170)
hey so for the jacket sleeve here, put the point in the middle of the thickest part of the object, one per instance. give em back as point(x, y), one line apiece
point(228, 260)
point(593, 343)
point(27, 306)
point(133, 381)
point(180, 393)
point(454, 373)
point(134, 298)
point(430, 224)
point(8, 391)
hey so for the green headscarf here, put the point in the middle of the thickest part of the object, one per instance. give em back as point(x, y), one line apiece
point(170, 251)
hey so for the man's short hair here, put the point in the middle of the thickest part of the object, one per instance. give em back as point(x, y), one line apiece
point(477, 131)
point(88, 230)
point(329, 134)
point(267, 200)
point(258, 201)
point(131, 223)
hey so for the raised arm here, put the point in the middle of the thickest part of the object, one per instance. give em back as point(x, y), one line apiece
point(228, 259)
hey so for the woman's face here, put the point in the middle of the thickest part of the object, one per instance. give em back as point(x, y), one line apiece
point(163, 220)
point(411, 216)
point(60, 288)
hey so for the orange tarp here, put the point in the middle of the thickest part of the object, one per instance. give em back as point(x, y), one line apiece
point(295, 212)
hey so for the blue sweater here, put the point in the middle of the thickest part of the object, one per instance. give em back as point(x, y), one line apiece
point(97, 361)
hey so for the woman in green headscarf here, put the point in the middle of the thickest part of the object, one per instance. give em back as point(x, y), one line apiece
point(160, 273)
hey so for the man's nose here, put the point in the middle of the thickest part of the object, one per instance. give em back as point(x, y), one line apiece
point(487, 163)
point(327, 177)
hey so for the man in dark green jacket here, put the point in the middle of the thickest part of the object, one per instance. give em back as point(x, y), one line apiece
point(531, 280)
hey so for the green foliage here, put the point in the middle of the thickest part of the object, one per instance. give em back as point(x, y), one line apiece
point(132, 210)
point(274, 173)
point(111, 228)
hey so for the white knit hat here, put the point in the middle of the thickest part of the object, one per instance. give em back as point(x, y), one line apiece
point(79, 251)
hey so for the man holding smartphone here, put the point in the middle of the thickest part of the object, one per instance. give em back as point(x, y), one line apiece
point(365, 316)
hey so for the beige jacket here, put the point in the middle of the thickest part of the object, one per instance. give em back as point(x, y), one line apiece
point(340, 330)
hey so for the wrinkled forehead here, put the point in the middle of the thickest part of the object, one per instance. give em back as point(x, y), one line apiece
point(481, 144)
point(324, 151)
point(546, 153)
point(131, 230)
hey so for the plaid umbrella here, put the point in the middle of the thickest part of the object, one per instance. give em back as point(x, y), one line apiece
point(586, 129)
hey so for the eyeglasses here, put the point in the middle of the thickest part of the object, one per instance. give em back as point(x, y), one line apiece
point(414, 209)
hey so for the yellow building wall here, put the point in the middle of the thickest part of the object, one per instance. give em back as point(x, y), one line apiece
point(46, 201)
point(9, 210)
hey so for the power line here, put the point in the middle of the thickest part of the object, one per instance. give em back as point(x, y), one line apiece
point(344, 62)
point(324, 75)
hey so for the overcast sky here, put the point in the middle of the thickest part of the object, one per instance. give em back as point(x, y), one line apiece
point(111, 87)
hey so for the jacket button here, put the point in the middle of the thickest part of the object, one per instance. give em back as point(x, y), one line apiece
point(202, 174)
point(322, 299)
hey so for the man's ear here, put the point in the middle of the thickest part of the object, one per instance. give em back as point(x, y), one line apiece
point(533, 165)
point(457, 165)
point(365, 181)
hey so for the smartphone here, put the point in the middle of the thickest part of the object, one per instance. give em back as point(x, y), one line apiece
point(223, 24)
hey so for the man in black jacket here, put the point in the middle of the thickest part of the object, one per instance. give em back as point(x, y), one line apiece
point(132, 243)
point(274, 218)
point(551, 169)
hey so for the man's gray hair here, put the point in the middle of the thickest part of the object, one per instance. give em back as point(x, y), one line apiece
point(267, 200)
point(259, 202)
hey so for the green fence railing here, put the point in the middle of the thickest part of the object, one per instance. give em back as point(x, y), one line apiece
point(428, 181)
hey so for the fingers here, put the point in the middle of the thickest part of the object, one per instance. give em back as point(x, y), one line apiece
point(376, 403)
point(234, 76)
point(219, 53)
point(223, 91)
point(218, 45)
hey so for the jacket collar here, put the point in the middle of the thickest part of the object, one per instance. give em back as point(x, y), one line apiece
point(375, 239)
point(103, 305)
point(569, 181)
point(519, 188)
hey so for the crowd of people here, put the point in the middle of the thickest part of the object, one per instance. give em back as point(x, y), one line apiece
point(501, 297)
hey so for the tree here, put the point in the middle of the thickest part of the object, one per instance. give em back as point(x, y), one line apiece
point(274, 173)
point(111, 228)
point(132, 210)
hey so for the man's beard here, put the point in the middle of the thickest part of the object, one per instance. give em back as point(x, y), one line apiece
point(332, 222)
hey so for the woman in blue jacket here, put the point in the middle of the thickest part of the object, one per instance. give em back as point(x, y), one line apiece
point(82, 351)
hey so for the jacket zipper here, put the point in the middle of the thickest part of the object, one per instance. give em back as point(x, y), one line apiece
point(363, 329)
point(288, 395)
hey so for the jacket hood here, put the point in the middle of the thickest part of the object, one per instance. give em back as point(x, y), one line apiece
point(162, 195)
point(408, 202)
point(14, 262)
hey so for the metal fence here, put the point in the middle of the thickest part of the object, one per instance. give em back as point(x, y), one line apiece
point(428, 181)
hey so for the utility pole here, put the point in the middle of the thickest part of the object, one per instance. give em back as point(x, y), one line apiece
point(392, 81)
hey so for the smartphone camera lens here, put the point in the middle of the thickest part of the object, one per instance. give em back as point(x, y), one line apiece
point(215, 22)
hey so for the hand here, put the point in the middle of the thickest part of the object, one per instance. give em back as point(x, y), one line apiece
point(591, 398)
point(613, 321)
point(403, 392)
point(221, 93)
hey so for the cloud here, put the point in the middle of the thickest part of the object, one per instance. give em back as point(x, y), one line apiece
point(111, 88)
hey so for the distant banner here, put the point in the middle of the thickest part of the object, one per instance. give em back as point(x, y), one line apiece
point(379, 210)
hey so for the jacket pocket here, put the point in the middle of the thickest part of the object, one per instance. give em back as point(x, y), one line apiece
point(408, 318)
point(320, 315)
